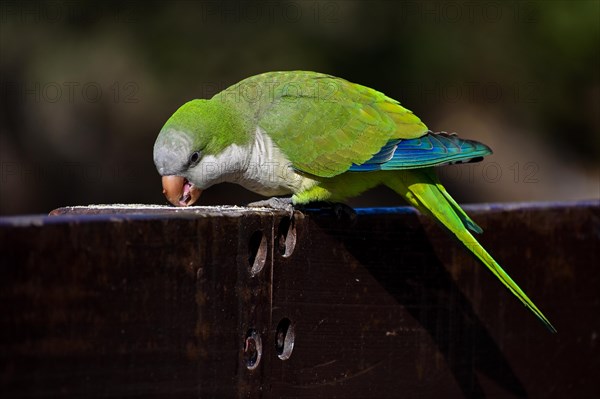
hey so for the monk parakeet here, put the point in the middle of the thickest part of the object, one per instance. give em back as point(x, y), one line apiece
point(317, 137)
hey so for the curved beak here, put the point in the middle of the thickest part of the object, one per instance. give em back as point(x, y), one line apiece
point(179, 191)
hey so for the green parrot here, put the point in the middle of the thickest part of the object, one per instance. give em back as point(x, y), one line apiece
point(317, 137)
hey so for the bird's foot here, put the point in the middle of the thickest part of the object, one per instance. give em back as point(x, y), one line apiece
point(343, 211)
point(340, 210)
point(282, 204)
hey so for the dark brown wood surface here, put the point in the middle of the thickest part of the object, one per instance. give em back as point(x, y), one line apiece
point(204, 302)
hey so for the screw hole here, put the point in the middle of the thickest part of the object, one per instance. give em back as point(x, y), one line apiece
point(284, 339)
point(286, 237)
point(252, 349)
point(257, 249)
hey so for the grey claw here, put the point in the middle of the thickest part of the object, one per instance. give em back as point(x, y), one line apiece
point(282, 204)
point(340, 210)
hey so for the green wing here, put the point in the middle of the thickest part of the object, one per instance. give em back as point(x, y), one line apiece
point(324, 124)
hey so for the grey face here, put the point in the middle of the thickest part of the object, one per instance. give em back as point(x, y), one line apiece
point(172, 152)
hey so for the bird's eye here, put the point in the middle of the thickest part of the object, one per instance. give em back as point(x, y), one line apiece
point(194, 157)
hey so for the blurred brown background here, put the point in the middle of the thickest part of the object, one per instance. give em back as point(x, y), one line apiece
point(86, 87)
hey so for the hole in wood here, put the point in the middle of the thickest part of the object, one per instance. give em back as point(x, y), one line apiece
point(252, 349)
point(284, 339)
point(286, 237)
point(257, 250)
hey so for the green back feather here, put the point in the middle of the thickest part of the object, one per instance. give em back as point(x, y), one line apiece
point(323, 124)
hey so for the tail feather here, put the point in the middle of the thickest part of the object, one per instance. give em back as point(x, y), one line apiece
point(422, 189)
point(467, 221)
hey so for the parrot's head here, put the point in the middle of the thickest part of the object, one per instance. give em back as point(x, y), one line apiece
point(197, 130)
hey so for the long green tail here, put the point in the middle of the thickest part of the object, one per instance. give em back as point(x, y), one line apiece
point(423, 190)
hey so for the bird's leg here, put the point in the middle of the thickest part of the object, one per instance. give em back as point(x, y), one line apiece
point(339, 209)
point(342, 210)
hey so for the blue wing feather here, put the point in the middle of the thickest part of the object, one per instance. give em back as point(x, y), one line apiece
point(432, 149)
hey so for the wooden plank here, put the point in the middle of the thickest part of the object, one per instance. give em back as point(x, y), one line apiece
point(153, 301)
